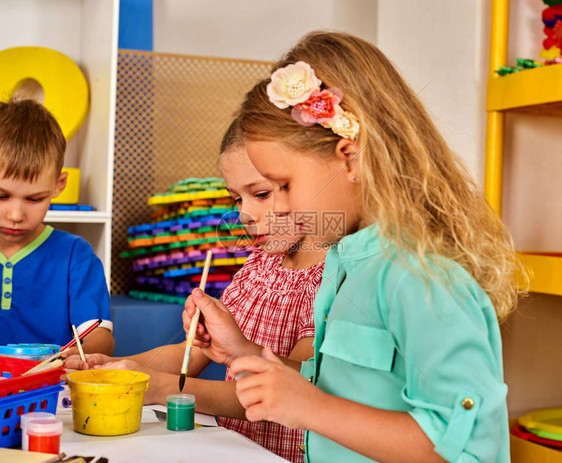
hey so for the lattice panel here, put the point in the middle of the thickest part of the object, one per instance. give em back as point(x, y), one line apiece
point(172, 111)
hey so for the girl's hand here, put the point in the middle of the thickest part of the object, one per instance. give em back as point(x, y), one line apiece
point(121, 364)
point(154, 393)
point(220, 338)
point(74, 362)
point(202, 338)
point(271, 391)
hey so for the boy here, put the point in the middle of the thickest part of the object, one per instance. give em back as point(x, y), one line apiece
point(51, 279)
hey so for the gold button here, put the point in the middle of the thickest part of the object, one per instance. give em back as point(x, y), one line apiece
point(310, 379)
point(325, 317)
point(467, 403)
point(302, 448)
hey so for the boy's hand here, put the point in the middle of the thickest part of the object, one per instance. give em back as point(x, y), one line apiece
point(271, 391)
point(219, 338)
point(74, 362)
point(69, 352)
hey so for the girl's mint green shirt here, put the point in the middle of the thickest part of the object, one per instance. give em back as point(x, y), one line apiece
point(393, 336)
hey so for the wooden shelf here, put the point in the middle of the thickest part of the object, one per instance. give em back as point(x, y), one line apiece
point(546, 271)
point(537, 91)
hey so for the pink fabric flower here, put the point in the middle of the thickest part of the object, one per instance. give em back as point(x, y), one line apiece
point(320, 107)
point(292, 85)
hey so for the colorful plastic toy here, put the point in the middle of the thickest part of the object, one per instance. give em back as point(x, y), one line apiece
point(552, 19)
point(193, 216)
point(64, 85)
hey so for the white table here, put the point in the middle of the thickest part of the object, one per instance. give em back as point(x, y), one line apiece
point(153, 443)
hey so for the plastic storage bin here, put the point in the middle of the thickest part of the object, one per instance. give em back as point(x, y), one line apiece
point(12, 368)
point(36, 392)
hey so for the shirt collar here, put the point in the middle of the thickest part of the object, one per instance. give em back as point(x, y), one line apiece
point(28, 249)
point(361, 244)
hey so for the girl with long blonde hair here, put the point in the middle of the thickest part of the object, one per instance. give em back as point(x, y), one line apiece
point(407, 363)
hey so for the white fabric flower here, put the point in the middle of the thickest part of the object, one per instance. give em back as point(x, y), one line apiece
point(292, 85)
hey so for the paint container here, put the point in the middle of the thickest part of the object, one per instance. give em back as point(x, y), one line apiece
point(44, 435)
point(107, 402)
point(181, 412)
point(29, 351)
point(23, 425)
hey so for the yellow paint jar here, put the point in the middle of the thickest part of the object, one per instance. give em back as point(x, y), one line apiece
point(71, 193)
point(107, 402)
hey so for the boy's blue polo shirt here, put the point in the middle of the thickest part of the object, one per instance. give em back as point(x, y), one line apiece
point(54, 282)
point(390, 336)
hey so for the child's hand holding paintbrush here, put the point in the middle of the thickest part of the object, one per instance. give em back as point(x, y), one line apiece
point(55, 360)
point(219, 337)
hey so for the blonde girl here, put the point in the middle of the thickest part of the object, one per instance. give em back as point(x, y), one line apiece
point(407, 363)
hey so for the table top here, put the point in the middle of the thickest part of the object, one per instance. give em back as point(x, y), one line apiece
point(155, 443)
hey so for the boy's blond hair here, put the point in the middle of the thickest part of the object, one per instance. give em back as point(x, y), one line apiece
point(31, 140)
point(410, 181)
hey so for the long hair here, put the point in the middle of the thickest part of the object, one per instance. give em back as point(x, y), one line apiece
point(31, 140)
point(410, 181)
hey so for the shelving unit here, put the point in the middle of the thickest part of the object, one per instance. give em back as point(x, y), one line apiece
point(86, 31)
point(534, 91)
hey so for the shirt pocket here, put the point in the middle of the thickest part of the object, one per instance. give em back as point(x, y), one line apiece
point(362, 345)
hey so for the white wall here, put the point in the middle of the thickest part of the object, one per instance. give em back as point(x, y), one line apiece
point(253, 29)
point(441, 48)
point(437, 44)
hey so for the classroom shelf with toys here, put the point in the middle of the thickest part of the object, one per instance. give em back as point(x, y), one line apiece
point(536, 90)
point(86, 32)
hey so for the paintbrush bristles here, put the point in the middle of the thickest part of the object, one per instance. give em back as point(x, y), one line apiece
point(39, 366)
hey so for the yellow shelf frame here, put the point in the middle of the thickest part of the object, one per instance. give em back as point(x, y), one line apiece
point(546, 271)
point(493, 183)
point(537, 91)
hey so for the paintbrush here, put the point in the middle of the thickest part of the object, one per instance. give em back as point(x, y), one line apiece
point(46, 366)
point(194, 322)
point(79, 344)
point(87, 331)
point(42, 365)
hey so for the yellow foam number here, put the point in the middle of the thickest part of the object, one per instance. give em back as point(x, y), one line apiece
point(64, 85)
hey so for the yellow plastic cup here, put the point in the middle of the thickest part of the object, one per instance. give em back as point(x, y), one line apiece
point(107, 402)
point(71, 193)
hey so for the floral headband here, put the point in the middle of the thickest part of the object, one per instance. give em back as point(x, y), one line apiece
point(296, 85)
